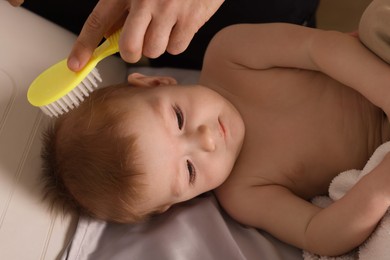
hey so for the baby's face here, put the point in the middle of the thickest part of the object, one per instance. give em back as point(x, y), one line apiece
point(189, 139)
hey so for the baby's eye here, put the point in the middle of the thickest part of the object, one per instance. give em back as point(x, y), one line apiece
point(179, 116)
point(191, 172)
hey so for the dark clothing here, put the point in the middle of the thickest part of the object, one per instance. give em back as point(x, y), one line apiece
point(71, 14)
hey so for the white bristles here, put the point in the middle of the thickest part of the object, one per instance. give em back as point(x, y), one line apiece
point(68, 102)
point(74, 97)
point(76, 91)
point(83, 90)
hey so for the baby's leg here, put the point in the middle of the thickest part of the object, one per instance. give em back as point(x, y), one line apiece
point(374, 28)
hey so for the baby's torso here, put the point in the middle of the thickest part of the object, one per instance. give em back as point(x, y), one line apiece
point(302, 129)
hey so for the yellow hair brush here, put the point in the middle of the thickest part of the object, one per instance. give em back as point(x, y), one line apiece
point(58, 89)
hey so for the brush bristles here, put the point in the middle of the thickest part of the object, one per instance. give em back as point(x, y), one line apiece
point(74, 97)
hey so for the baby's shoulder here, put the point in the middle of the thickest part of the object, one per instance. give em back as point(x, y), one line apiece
point(244, 180)
point(244, 203)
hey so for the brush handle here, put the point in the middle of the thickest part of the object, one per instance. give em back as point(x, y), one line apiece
point(108, 47)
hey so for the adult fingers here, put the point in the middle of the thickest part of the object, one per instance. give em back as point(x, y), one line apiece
point(157, 36)
point(103, 16)
point(196, 14)
point(15, 2)
point(117, 25)
point(181, 37)
point(132, 37)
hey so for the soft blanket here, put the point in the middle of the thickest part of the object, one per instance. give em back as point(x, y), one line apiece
point(377, 246)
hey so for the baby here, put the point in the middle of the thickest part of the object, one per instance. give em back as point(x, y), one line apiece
point(279, 111)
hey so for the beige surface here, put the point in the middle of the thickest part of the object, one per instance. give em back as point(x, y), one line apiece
point(28, 45)
point(341, 15)
point(27, 230)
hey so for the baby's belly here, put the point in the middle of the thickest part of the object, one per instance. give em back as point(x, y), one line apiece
point(302, 130)
point(330, 151)
point(312, 141)
point(312, 159)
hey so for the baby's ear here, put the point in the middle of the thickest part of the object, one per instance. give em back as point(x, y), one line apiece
point(140, 80)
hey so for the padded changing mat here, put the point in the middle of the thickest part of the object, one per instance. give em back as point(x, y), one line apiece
point(28, 45)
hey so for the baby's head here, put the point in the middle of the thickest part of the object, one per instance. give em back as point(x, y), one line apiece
point(129, 152)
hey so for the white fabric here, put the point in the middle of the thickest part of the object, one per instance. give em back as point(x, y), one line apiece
point(192, 231)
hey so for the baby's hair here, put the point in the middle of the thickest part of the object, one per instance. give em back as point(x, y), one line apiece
point(89, 165)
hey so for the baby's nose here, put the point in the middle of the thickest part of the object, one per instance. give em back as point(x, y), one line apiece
point(205, 138)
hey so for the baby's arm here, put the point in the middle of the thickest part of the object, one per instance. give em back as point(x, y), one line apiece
point(341, 56)
point(331, 231)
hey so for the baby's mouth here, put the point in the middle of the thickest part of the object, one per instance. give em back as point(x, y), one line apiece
point(222, 128)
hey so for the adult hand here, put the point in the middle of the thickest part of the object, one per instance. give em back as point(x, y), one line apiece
point(15, 2)
point(150, 27)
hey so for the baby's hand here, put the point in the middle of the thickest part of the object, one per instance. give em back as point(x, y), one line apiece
point(354, 33)
point(15, 2)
